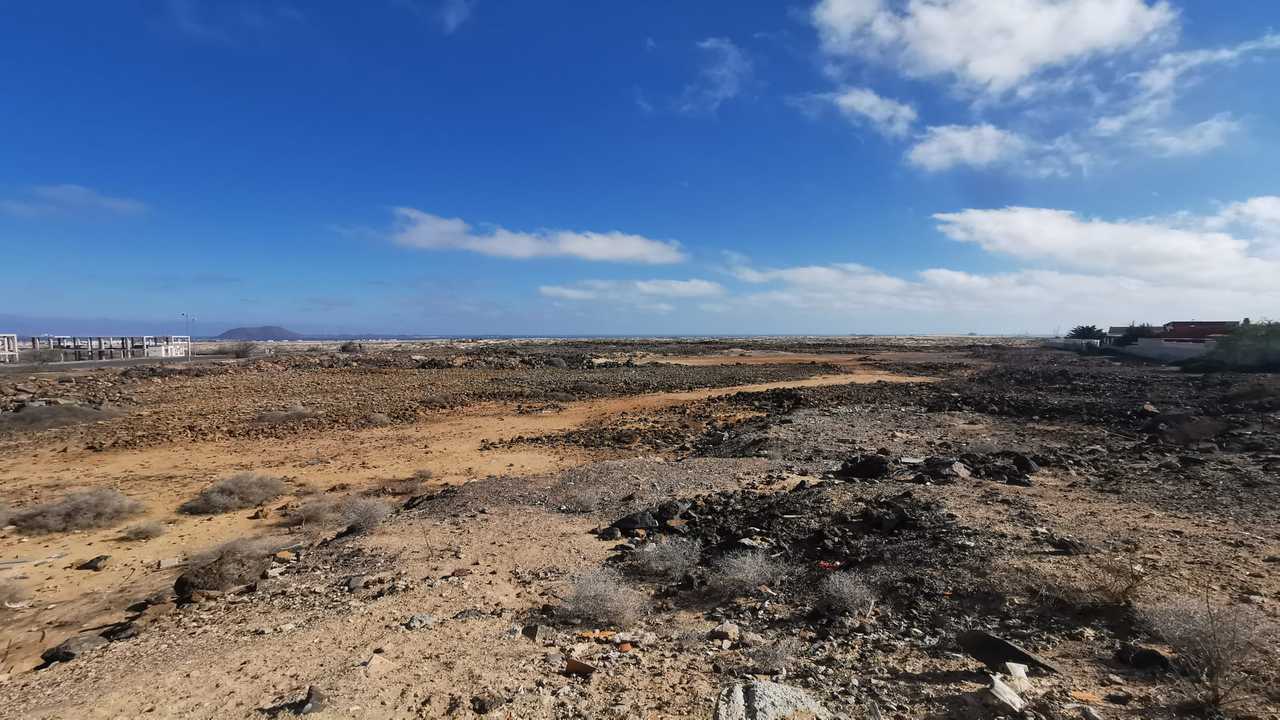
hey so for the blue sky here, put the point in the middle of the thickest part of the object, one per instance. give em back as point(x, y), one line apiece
point(470, 166)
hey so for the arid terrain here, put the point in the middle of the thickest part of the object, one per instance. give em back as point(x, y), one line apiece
point(632, 529)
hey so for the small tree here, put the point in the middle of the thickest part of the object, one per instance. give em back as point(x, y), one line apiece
point(1086, 332)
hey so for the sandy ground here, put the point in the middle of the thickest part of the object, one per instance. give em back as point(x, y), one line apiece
point(450, 447)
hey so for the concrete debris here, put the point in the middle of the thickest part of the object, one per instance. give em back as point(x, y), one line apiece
point(764, 700)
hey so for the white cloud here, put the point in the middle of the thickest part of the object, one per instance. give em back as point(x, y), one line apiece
point(988, 46)
point(1175, 253)
point(978, 146)
point(1194, 140)
point(863, 105)
point(1075, 270)
point(69, 199)
point(1158, 86)
point(453, 13)
point(418, 229)
point(723, 76)
point(638, 294)
point(679, 288)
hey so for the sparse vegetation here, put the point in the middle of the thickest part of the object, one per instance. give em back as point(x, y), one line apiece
point(11, 593)
point(1086, 332)
point(583, 498)
point(84, 510)
point(671, 559)
point(741, 573)
point(600, 597)
point(357, 515)
point(44, 417)
point(350, 346)
point(143, 531)
point(292, 414)
point(236, 563)
point(240, 491)
point(362, 515)
point(45, 356)
point(846, 593)
point(1114, 581)
point(775, 656)
point(377, 419)
point(242, 349)
point(1218, 647)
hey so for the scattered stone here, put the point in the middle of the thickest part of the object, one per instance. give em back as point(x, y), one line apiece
point(377, 666)
point(315, 701)
point(419, 621)
point(725, 631)
point(636, 638)
point(764, 700)
point(994, 651)
point(168, 563)
point(642, 520)
point(487, 702)
point(1143, 658)
point(541, 634)
point(96, 564)
point(1004, 696)
point(73, 648)
point(865, 467)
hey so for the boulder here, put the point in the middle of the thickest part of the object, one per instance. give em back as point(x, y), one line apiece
point(73, 648)
point(763, 700)
point(865, 467)
point(642, 520)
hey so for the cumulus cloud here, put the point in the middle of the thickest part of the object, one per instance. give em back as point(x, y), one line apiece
point(1075, 269)
point(977, 146)
point(988, 46)
point(862, 105)
point(453, 13)
point(69, 199)
point(418, 229)
point(724, 74)
point(1175, 253)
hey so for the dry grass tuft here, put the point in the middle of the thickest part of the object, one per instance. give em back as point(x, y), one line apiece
point(846, 593)
point(1219, 648)
point(583, 499)
point(11, 593)
point(774, 657)
point(671, 559)
point(78, 511)
point(599, 597)
point(44, 417)
point(293, 414)
point(741, 573)
point(357, 515)
point(144, 530)
point(240, 491)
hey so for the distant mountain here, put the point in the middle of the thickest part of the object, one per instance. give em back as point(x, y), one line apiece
point(264, 332)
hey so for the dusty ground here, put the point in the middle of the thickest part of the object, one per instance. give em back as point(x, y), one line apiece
point(547, 442)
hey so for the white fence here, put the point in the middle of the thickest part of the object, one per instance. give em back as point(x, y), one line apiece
point(8, 348)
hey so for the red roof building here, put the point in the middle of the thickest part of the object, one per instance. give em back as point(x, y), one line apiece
point(1198, 329)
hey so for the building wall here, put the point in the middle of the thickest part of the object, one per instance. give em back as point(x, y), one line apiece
point(1166, 350)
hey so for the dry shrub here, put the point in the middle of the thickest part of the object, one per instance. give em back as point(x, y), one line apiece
point(241, 349)
point(11, 593)
point(143, 530)
point(600, 598)
point(357, 515)
point(846, 593)
point(775, 656)
point(1107, 582)
point(740, 573)
point(583, 499)
point(44, 417)
point(293, 414)
point(377, 419)
point(237, 563)
point(671, 559)
point(84, 510)
point(1219, 647)
point(362, 515)
point(240, 491)
point(402, 487)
